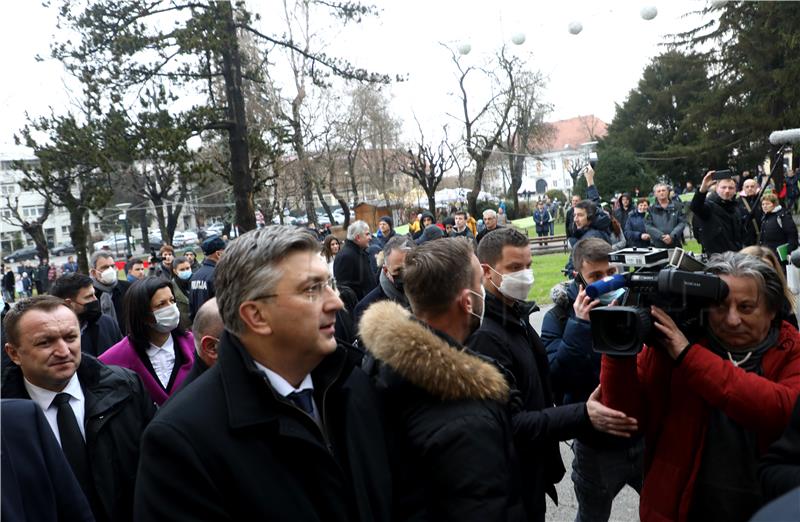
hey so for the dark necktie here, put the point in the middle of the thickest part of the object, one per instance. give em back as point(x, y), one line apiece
point(72, 441)
point(303, 400)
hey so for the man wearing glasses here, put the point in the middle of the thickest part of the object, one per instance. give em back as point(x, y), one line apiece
point(284, 426)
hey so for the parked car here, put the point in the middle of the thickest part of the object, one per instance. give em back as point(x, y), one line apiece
point(63, 248)
point(109, 243)
point(23, 254)
point(185, 238)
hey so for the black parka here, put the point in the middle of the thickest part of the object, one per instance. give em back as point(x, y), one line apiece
point(452, 447)
point(721, 220)
point(507, 337)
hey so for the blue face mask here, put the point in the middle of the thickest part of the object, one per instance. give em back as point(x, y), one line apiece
point(607, 298)
point(185, 274)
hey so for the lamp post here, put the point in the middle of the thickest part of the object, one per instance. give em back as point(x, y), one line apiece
point(124, 218)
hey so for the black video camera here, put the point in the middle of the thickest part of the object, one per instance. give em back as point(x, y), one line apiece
point(154, 257)
point(674, 282)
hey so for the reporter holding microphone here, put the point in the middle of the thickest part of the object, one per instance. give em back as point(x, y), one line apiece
point(708, 410)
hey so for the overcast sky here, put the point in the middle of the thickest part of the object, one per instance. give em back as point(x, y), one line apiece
point(587, 73)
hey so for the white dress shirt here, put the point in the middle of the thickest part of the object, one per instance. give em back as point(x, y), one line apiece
point(280, 385)
point(44, 398)
point(162, 358)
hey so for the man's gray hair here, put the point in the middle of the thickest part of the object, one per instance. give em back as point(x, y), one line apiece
point(736, 264)
point(489, 213)
point(357, 228)
point(99, 255)
point(207, 321)
point(661, 184)
point(249, 267)
point(396, 243)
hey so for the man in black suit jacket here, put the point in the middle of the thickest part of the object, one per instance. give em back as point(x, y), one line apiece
point(285, 426)
point(38, 483)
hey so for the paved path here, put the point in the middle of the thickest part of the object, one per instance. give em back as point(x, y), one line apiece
point(626, 505)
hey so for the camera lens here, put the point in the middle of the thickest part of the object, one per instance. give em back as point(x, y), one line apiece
point(619, 330)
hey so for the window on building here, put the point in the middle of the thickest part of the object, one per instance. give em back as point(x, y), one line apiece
point(32, 212)
point(8, 189)
point(5, 213)
point(552, 164)
point(569, 183)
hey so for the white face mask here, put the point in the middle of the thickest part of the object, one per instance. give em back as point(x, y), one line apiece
point(483, 305)
point(108, 276)
point(167, 318)
point(516, 285)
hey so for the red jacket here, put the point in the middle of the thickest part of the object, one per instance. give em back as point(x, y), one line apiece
point(672, 404)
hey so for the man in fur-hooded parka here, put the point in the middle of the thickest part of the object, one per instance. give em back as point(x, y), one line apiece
point(453, 453)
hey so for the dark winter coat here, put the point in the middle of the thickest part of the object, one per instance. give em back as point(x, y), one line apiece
point(622, 214)
point(8, 281)
point(721, 223)
point(228, 447)
point(779, 468)
point(542, 218)
point(117, 295)
point(752, 226)
point(453, 450)
point(117, 409)
point(778, 228)
point(507, 337)
point(669, 220)
point(634, 228)
point(201, 287)
point(374, 296)
point(351, 268)
point(99, 336)
point(38, 483)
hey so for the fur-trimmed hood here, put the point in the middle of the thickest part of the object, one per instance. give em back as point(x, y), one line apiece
point(426, 360)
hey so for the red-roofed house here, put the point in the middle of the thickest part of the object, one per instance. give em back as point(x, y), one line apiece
point(572, 141)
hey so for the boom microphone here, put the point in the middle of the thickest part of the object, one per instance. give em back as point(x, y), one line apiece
point(605, 285)
point(784, 137)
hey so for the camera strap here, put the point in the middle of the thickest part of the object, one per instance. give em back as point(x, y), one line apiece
point(752, 217)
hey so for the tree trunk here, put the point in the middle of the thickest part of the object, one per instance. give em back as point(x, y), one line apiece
point(37, 235)
point(342, 202)
point(517, 164)
point(431, 201)
point(241, 177)
point(472, 195)
point(77, 234)
point(324, 203)
point(144, 226)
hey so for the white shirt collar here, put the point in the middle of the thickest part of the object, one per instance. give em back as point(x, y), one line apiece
point(44, 398)
point(167, 347)
point(280, 385)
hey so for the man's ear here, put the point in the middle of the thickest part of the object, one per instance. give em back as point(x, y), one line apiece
point(465, 301)
point(487, 272)
point(208, 346)
point(11, 350)
point(255, 317)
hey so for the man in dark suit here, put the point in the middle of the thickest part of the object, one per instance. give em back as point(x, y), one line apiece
point(352, 266)
point(207, 329)
point(96, 412)
point(284, 426)
point(38, 483)
point(98, 332)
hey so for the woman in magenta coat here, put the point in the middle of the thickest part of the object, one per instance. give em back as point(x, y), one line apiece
point(708, 409)
point(156, 348)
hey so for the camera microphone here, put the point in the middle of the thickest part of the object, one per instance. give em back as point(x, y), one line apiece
point(605, 285)
point(784, 137)
point(795, 258)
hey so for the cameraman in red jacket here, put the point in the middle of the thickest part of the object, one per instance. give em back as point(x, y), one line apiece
point(710, 409)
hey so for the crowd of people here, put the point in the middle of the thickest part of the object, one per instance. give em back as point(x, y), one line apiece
point(386, 376)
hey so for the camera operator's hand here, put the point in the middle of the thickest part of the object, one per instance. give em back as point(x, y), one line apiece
point(707, 181)
point(667, 239)
point(607, 420)
point(673, 341)
point(584, 304)
point(645, 236)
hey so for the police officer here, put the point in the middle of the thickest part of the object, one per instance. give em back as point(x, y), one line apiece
point(202, 282)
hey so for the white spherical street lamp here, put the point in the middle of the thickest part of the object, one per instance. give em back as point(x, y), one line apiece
point(518, 38)
point(649, 12)
point(464, 48)
point(575, 27)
